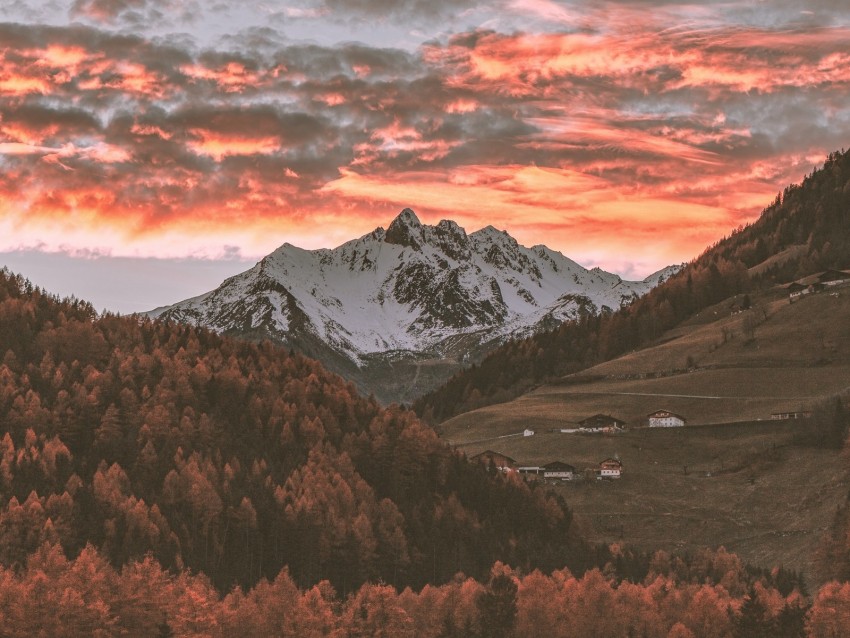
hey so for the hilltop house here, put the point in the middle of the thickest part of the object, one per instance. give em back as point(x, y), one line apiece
point(559, 470)
point(500, 461)
point(610, 469)
point(665, 419)
point(602, 423)
point(816, 283)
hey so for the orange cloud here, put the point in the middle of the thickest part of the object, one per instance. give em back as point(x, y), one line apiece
point(598, 131)
point(394, 139)
point(18, 148)
point(462, 106)
point(232, 77)
point(332, 99)
point(136, 78)
point(18, 85)
point(643, 57)
point(56, 56)
point(218, 146)
point(519, 194)
point(570, 211)
point(100, 152)
point(147, 129)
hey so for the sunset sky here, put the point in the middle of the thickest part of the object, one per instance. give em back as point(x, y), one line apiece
point(149, 148)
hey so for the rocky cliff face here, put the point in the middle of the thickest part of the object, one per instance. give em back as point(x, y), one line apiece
point(398, 310)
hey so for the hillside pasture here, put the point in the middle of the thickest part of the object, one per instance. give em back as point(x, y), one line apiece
point(732, 476)
point(742, 486)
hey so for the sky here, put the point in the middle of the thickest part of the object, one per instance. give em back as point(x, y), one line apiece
point(150, 148)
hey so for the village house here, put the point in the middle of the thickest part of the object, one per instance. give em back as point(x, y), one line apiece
point(500, 461)
point(610, 469)
point(604, 423)
point(816, 283)
point(665, 419)
point(558, 470)
point(807, 285)
point(795, 290)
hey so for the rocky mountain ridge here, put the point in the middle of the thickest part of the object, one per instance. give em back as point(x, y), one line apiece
point(409, 295)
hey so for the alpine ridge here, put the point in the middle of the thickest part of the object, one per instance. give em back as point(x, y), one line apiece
point(399, 310)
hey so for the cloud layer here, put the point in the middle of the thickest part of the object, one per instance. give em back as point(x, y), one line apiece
point(611, 135)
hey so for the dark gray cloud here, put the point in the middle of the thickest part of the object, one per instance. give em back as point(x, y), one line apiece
point(51, 124)
point(790, 13)
point(108, 10)
point(141, 14)
point(399, 9)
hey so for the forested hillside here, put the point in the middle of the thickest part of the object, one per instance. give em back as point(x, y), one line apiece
point(235, 460)
point(805, 230)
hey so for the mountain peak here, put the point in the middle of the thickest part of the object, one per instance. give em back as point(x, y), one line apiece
point(664, 274)
point(407, 217)
point(405, 230)
point(492, 235)
point(449, 225)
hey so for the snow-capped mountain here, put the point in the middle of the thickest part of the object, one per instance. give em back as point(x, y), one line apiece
point(381, 307)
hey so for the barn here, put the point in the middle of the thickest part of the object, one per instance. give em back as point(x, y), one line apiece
point(834, 277)
point(559, 470)
point(602, 423)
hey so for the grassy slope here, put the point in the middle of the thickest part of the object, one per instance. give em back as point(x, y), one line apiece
point(765, 499)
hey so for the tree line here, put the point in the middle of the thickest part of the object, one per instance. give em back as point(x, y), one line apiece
point(710, 595)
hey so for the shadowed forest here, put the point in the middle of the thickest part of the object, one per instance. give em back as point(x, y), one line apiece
point(235, 459)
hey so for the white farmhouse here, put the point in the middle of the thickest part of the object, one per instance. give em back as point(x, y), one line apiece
point(610, 469)
point(665, 419)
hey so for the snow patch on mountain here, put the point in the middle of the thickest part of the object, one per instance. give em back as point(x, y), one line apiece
point(411, 287)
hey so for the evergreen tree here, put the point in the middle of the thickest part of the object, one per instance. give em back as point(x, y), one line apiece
point(497, 606)
point(753, 620)
point(791, 622)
